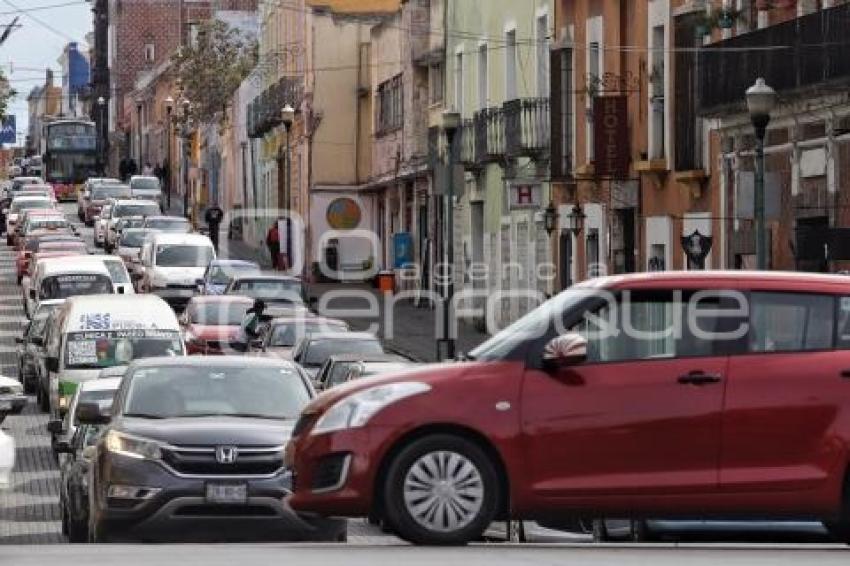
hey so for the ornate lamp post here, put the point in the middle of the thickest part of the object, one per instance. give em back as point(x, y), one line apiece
point(761, 100)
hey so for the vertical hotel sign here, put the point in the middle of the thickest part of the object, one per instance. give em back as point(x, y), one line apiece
point(611, 137)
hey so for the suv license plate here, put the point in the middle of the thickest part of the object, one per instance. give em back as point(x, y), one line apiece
point(226, 493)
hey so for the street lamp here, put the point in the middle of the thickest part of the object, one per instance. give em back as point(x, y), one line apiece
point(287, 117)
point(187, 109)
point(139, 103)
point(450, 125)
point(550, 218)
point(169, 107)
point(575, 220)
point(761, 99)
point(101, 134)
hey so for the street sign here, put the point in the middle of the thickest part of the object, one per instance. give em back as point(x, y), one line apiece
point(9, 133)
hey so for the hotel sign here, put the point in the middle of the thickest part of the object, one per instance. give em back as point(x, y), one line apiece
point(611, 137)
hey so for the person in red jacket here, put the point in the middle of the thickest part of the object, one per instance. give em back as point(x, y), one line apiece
point(273, 242)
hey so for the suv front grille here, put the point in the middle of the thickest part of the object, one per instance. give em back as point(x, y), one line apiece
point(201, 461)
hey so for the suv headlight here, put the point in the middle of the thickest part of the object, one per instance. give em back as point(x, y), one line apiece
point(356, 410)
point(132, 446)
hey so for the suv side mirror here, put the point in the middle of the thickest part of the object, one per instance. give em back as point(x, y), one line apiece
point(566, 350)
point(92, 414)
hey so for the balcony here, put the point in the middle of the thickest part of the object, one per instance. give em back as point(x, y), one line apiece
point(527, 127)
point(264, 111)
point(803, 53)
point(489, 127)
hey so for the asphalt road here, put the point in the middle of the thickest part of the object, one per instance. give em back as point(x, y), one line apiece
point(478, 555)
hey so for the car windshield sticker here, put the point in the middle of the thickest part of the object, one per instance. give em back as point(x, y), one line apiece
point(82, 352)
point(74, 278)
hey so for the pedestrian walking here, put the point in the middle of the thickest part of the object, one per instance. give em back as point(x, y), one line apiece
point(132, 167)
point(273, 242)
point(124, 169)
point(213, 217)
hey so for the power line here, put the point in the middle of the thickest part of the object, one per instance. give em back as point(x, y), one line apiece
point(37, 20)
point(44, 8)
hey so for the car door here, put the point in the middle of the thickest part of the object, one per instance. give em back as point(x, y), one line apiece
point(641, 416)
point(785, 396)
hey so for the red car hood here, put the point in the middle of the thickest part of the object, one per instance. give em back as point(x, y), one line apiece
point(219, 333)
point(432, 374)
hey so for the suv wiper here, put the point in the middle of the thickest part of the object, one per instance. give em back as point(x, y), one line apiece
point(143, 416)
point(237, 415)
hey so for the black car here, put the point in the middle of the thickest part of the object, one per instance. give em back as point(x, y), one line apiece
point(73, 487)
point(194, 450)
point(31, 350)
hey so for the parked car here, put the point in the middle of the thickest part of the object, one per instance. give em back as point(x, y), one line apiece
point(73, 481)
point(210, 323)
point(221, 272)
point(176, 224)
point(280, 335)
point(272, 289)
point(147, 188)
point(12, 398)
point(202, 438)
point(173, 264)
point(313, 350)
point(639, 396)
point(339, 369)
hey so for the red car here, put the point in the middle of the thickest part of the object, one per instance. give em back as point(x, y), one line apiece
point(32, 244)
point(210, 322)
point(646, 396)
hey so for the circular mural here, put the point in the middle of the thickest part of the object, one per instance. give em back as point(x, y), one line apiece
point(344, 214)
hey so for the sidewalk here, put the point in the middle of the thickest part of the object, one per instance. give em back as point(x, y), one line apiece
point(408, 330)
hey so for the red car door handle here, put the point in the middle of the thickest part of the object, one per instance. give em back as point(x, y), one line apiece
point(699, 378)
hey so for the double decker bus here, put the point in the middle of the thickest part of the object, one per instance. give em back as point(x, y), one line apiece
point(70, 156)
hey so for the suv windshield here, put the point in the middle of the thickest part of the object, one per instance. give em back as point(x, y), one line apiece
point(320, 350)
point(222, 275)
point(169, 225)
point(136, 209)
point(183, 256)
point(287, 334)
point(20, 205)
point(133, 239)
point(209, 390)
point(101, 349)
point(104, 192)
point(270, 289)
point(64, 286)
point(218, 314)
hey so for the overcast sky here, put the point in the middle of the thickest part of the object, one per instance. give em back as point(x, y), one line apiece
point(34, 47)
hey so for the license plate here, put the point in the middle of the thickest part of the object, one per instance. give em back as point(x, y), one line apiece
point(5, 405)
point(227, 493)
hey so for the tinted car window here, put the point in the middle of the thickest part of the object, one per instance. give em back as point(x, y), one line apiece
point(64, 286)
point(183, 256)
point(262, 392)
point(788, 322)
point(218, 314)
point(132, 239)
point(320, 350)
point(287, 334)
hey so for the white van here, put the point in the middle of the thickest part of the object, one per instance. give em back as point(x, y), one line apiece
point(121, 283)
point(173, 263)
point(90, 333)
point(64, 277)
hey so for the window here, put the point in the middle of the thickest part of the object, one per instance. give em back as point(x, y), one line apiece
point(390, 105)
point(483, 76)
point(150, 53)
point(593, 83)
point(655, 325)
point(789, 322)
point(543, 55)
point(510, 65)
point(459, 82)
point(657, 85)
point(843, 334)
point(436, 81)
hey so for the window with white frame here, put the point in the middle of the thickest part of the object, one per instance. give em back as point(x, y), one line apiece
point(150, 53)
point(511, 91)
point(390, 105)
point(483, 76)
